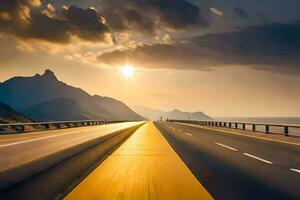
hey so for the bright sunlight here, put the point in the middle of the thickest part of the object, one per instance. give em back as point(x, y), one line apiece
point(127, 70)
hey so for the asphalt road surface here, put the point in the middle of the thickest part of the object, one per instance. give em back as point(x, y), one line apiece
point(237, 167)
point(32, 152)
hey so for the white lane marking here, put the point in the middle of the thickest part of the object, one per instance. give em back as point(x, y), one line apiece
point(188, 134)
point(228, 147)
point(295, 170)
point(171, 128)
point(51, 136)
point(36, 139)
point(257, 158)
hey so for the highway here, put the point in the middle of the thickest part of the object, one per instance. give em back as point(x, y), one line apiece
point(23, 155)
point(234, 166)
point(159, 160)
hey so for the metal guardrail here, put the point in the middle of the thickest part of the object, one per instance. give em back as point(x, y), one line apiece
point(242, 125)
point(38, 126)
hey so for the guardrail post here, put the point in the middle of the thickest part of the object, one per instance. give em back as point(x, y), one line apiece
point(286, 131)
point(47, 126)
point(253, 128)
point(19, 128)
point(267, 129)
point(244, 126)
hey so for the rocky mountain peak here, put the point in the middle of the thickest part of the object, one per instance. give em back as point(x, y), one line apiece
point(49, 74)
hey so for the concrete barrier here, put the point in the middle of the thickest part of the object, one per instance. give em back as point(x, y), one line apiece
point(15, 128)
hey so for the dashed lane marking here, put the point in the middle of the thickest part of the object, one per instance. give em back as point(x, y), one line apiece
point(228, 147)
point(188, 134)
point(257, 158)
point(295, 170)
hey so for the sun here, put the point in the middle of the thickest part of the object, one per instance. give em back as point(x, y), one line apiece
point(127, 70)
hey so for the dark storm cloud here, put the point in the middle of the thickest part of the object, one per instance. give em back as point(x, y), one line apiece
point(273, 47)
point(240, 12)
point(130, 19)
point(25, 20)
point(28, 19)
point(85, 23)
point(150, 15)
point(178, 13)
point(272, 39)
point(46, 28)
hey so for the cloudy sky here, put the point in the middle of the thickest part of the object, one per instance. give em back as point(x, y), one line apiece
point(226, 58)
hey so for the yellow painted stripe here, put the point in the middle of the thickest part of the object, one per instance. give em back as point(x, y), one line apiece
point(145, 167)
point(235, 133)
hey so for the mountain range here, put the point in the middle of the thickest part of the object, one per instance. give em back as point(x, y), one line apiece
point(45, 98)
point(154, 114)
point(9, 115)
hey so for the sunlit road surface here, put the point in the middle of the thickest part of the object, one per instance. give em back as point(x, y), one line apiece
point(19, 149)
point(232, 166)
point(144, 167)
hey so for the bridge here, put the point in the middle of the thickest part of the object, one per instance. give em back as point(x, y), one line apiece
point(148, 160)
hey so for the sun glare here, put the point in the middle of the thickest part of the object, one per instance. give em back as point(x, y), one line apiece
point(127, 70)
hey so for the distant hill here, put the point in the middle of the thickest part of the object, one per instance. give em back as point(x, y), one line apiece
point(148, 113)
point(153, 114)
point(64, 109)
point(9, 115)
point(44, 97)
point(177, 114)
